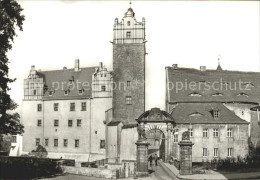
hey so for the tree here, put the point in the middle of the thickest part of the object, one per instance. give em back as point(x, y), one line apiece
point(10, 19)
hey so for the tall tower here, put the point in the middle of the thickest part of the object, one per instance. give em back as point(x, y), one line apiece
point(129, 68)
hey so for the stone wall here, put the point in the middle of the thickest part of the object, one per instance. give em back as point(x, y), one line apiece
point(92, 172)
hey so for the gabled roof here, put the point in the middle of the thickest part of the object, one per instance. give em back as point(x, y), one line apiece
point(68, 79)
point(225, 83)
point(155, 115)
point(202, 113)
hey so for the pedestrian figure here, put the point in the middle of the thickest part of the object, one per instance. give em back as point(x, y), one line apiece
point(155, 159)
point(150, 159)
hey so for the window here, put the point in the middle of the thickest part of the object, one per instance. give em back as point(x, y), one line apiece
point(76, 143)
point(215, 132)
point(216, 114)
point(56, 142)
point(175, 137)
point(102, 144)
point(37, 141)
point(34, 92)
point(229, 132)
point(128, 23)
point(80, 91)
point(70, 122)
point(65, 142)
point(72, 106)
point(39, 123)
point(215, 152)
point(56, 123)
point(56, 106)
point(230, 152)
point(13, 139)
point(205, 152)
point(128, 34)
point(66, 92)
point(50, 93)
point(191, 132)
point(205, 132)
point(39, 107)
point(46, 142)
point(103, 88)
point(78, 122)
point(83, 106)
point(128, 83)
point(128, 100)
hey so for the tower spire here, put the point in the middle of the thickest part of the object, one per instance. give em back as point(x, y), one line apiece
point(130, 3)
point(219, 67)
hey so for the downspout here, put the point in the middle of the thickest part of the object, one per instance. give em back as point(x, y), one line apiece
point(43, 143)
point(90, 137)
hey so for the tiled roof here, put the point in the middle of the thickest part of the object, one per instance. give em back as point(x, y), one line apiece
point(202, 113)
point(225, 83)
point(59, 81)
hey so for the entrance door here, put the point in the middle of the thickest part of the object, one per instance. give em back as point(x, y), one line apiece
point(156, 138)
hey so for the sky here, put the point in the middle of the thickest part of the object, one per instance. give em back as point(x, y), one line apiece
point(187, 33)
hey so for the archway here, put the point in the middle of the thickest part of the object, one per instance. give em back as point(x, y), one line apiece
point(157, 126)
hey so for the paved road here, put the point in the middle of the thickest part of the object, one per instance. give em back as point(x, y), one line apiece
point(160, 174)
point(72, 177)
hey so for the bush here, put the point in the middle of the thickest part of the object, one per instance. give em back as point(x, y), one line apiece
point(27, 167)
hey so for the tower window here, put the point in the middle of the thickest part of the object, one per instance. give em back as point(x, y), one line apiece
point(103, 88)
point(66, 92)
point(34, 91)
point(128, 83)
point(50, 93)
point(128, 100)
point(191, 132)
point(128, 34)
point(80, 91)
point(128, 23)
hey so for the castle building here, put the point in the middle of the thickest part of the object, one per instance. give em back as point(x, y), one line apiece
point(86, 114)
point(217, 107)
point(64, 110)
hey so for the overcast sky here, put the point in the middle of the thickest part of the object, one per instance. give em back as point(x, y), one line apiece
point(187, 33)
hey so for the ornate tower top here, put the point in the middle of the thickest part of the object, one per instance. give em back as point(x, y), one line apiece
point(129, 31)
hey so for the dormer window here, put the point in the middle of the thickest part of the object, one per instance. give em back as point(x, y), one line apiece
point(195, 94)
point(66, 92)
point(243, 94)
point(50, 93)
point(80, 92)
point(217, 94)
point(216, 113)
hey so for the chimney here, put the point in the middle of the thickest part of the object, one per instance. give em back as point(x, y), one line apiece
point(100, 65)
point(202, 68)
point(76, 66)
point(32, 68)
point(64, 68)
point(175, 66)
